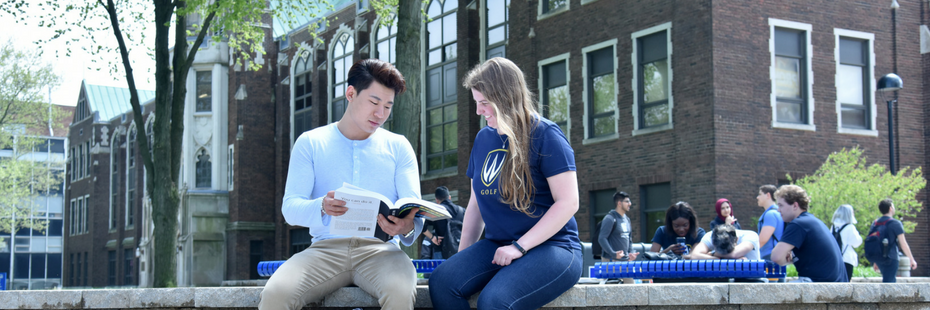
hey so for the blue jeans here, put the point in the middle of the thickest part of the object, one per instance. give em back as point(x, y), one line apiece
point(889, 270)
point(529, 282)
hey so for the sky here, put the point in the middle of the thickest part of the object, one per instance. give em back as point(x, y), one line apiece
point(80, 65)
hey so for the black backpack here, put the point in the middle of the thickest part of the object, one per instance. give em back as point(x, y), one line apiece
point(878, 245)
point(838, 237)
point(595, 245)
point(450, 244)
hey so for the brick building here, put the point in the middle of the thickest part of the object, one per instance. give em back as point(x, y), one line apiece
point(104, 190)
point(666, 100)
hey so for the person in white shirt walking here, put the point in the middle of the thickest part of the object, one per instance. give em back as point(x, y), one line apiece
point(844, 226)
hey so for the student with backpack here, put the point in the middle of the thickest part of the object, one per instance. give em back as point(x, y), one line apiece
point(445, 235)
point(885, 237)
point(846, 235)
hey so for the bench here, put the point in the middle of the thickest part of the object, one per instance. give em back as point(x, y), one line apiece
point(267, 268)
point(717, 268)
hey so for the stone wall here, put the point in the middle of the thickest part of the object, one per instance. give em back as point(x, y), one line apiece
point(645, 296)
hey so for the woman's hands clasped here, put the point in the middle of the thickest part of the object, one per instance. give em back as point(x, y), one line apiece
point(506, 255)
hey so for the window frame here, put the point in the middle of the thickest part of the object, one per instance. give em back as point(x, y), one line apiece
point(373, 51)
point(543, 100)
point(425, 107)
point(131, 176)
point(230, 167)
point(871, 107)
point(637, 106)
point(542, 14)
point(587, 98)
point(114, 183)
point(210, 157)
point(307, 55)
point(212, 92)
point(331, 74)
point(483, 31)
point(808, 74)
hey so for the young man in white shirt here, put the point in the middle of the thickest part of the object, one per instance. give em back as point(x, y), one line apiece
point(357, 151)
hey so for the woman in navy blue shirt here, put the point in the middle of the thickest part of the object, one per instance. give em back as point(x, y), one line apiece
point(524, 194)
point(680, 221)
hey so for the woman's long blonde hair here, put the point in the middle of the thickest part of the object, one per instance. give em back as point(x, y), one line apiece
point(502, 84)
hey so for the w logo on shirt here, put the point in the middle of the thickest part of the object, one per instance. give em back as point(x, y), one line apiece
point(492, 166)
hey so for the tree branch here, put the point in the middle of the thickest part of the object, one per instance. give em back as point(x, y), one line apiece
point(204, 28)
point(133, 92)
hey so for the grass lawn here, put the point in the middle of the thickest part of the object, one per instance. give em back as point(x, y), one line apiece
point(858, 271)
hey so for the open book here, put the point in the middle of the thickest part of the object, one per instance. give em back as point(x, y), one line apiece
point(361, 220)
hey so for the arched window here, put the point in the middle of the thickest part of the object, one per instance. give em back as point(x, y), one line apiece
point(204, 169)
point(386, 49)
point(114, 179)
point(441, 87)
point(342, 60)
point(150, 132)
point(386, 41)
point(130, 174)
point(302, 93)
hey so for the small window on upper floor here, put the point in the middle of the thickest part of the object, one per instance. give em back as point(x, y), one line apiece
point(791, 75)
point(204, 91)
point(600, 91)
point(653, 79)
point(855, 96)
point(551, 7)
point(555, 96)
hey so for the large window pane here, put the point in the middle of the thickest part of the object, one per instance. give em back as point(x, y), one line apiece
point(557, 108)
point(787, 77)
point(788, 112)
point(849, 85)
point(656, 115)
point(655, 200)
point(854, 118)
point(204, 91)
point(655, 83)
point(552, 5)
point(605, 94)
point(435, 33)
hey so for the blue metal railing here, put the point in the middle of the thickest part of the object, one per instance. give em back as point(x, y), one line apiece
point(722, 268)
point(267, 268)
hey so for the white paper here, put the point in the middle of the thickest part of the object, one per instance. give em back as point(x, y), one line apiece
point(360, 219)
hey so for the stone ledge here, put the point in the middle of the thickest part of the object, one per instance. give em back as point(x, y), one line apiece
point(691, 295)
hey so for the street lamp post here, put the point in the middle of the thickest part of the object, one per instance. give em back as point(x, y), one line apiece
point(888, 83)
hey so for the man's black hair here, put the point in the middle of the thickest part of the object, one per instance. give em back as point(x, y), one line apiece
point(442, 193)
point(620, 196)
point(885, 205)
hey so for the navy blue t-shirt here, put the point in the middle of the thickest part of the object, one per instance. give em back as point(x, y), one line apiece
point(550, 155)
point(818, 254)
point(666, 240)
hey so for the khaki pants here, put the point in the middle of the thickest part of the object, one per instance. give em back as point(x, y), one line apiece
point(379, 268)
point(624, 280)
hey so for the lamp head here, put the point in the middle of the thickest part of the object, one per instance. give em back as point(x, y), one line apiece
point(889, 82)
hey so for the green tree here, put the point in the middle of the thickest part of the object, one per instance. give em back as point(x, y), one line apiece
point(239, 23)
point(846, 178)
point(24, 111)
point(410, 16)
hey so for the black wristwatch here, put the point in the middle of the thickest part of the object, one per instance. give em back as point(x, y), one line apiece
point(517, 245)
